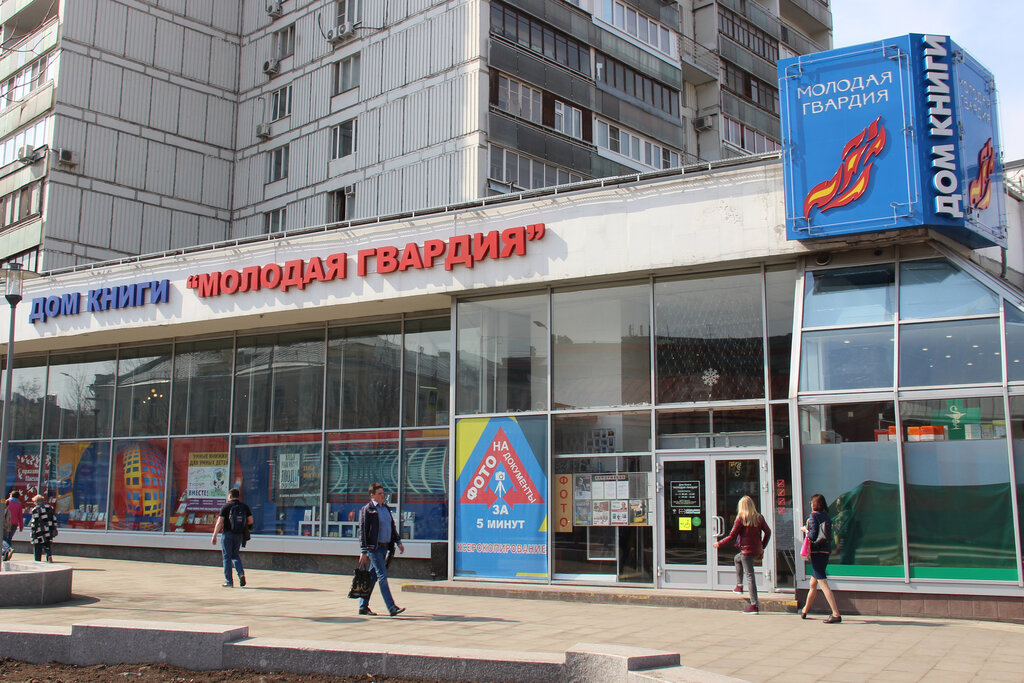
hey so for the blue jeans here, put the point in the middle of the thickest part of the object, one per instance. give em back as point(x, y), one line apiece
point(229, 545)
point(378, 557)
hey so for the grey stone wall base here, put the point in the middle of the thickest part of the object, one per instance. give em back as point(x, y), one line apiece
point(34, 583)
point(599, 663)
point(36, 644)
point(199, 647)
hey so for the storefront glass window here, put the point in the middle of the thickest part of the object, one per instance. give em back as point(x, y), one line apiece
point(937, 289)
point(602, 347)
point(849, 455)
point(503, 355)
point(354, 461)
point(280, 482)
point(138, 485)
point(279, 382)
point(202, 387)
point(427, 368)
point(23, 471)
point(27, 397)
point(850, 296)
point(950, 353)
point(199, 484)
point(833, 360)
point(75, 478)
point(602, 433)
point(143, 391)
point(603, 526)
point(780, 291)
point(80, 391)
point(363, 375)
point(1014, 344)
point(959, 510)
point(425, 484)
point(710, 338)
point(711, 428)
point(1017, 426)
point(785, 529)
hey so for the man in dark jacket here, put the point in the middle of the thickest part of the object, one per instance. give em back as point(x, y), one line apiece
point(377, 533)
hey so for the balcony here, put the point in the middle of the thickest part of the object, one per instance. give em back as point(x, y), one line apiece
point(699, 64)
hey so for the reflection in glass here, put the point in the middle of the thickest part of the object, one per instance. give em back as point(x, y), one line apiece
point(959, 510)
point(354, 461)
point(710, 338)
point(363, 375)
point(427, 367)
point(711, 428)
point(280, 482)
point(26, 419)
point(137, 485)
point(846, 359)
point(79, 393)
point(199, 483)
point(607, 532)
point(782, 463)
point(780, 291)
point(1014, 343)
point(848, 457)
point(23, 463)
point(425, 485)
point(503, 354)
point(953, 353)
point(279, 382)
point(143, 391)
point(602, 347)
point(75, 476)
point(936, 288)
point(1017, 427)
point(602, 433)
point(685, 498)
point(202, 387)
point(850, 296)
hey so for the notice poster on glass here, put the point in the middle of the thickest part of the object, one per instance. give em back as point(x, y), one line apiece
point(581, 487)
point(601, 513)
point(207, 476)
point(581, 513)
point(289, 476)
point(619, 512)
point(638, 511)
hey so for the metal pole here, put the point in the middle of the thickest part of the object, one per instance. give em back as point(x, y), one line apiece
point(5, 429)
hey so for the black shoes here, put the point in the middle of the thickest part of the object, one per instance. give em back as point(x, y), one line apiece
point(241, 580)
point(834, 619)
point(396, 610)
point(366, 611)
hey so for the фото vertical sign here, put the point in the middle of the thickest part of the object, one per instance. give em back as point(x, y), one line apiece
point(500, 499)
point(900, 133)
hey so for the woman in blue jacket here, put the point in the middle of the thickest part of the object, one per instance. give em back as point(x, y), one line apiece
point(819, 525)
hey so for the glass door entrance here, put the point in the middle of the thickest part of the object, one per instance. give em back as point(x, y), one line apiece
point(698, 501)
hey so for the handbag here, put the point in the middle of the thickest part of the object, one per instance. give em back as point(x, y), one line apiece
point(362, 583)
point(805, 549)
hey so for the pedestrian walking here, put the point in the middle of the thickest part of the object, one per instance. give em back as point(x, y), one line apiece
point(43, 526)
point(750, 533)
point(819, 530)
point(234, 521)
point(17, 511)
point(377, 535)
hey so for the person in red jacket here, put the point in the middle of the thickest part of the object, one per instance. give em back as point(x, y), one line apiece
point(751, 534)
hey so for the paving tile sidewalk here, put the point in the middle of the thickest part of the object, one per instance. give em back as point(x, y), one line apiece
point(772, 646)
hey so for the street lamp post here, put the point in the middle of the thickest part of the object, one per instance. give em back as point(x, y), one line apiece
point(13, 278)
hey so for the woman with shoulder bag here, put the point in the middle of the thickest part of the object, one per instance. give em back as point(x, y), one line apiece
point(751, 534)
point(819, 531)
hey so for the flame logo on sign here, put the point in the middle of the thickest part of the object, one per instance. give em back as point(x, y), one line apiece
point(851, 180)
point(979, 190)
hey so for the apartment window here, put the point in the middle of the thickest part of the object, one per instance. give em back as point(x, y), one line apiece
point(530, 34)
point(624, 79)
point(284, 42)
point(518, 172)
point(747, 139)
point(26, 80)
point(343, 139)
point(568, 120)
point(519, 99)
point(281, 103)
point(350, 10)
point(746, 34)
point(346, 74)
point(751, 88)
point(24, 203)
point(278, 164)
point(631, 22)
point(341, 204)
point(273, 221)
point(641, 150)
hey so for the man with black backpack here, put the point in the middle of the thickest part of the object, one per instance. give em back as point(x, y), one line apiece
point(235, 520)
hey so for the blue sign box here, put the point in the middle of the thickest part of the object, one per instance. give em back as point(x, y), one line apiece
point(899, 133)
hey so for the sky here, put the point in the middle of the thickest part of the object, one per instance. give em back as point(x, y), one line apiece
point(992, 31)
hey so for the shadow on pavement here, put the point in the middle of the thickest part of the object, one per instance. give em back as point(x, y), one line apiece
point(286, 589)
point(895, 621)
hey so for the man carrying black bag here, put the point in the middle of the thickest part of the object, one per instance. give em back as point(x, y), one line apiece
point(377, 535)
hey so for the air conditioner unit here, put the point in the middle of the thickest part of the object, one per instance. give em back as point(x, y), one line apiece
point(275, 9)
point(703, 123)
point(263, 130)
point(26, 154)
point(349, 190)
point(66, 157)
point(271, 66)
point(341, 33)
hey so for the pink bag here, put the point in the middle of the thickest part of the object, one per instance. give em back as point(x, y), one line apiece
point(805, 549)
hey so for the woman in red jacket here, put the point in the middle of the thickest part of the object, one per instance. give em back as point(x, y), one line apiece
point(751, 534)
